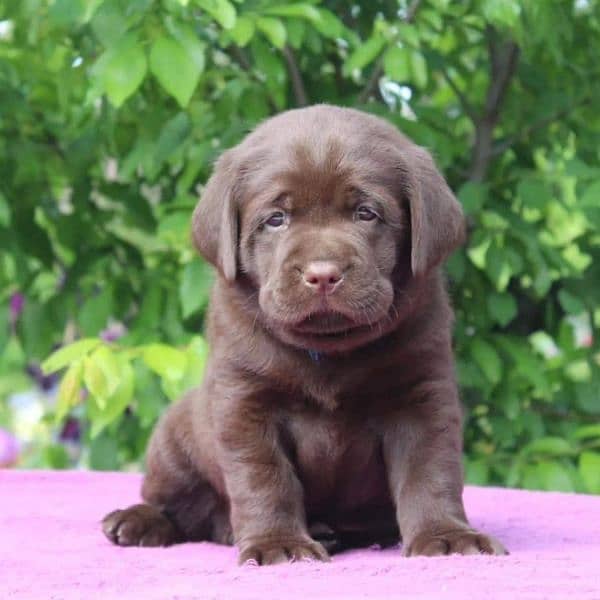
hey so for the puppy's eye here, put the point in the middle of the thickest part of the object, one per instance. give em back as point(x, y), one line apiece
point(364, 213)
point(277, 219)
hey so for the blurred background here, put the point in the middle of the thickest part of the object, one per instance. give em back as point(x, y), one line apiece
point(111, 114)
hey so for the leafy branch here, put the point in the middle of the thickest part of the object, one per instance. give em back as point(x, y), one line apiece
point(377, 72)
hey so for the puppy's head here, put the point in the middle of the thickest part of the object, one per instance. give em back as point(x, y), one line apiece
point(326, 212)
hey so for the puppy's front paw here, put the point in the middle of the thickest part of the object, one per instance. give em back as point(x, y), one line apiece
point(139, 525)
point(274, 550)
point(453, 541)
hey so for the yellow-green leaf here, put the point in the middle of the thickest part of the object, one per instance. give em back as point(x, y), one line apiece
point(69, 390)
point(66, 355)
point(165, 360)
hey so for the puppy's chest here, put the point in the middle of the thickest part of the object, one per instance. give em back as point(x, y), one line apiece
point(334, 454)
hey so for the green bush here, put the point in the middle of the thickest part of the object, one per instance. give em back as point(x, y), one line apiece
point(112, 112)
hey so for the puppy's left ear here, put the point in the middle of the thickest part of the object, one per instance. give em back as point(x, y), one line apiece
point(436, 217)
point(215, 219)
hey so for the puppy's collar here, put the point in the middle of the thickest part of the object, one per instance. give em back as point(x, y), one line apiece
point(315, 355)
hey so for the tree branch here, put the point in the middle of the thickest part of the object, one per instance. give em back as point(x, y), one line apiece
point(377, 72)
point(467, 106)
point(296, 77)
point(243, 61)
point(503, 63)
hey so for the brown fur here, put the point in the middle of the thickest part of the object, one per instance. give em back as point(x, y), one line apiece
point(335, 414)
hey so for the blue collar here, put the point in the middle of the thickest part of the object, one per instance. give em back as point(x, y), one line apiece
point(315, 355)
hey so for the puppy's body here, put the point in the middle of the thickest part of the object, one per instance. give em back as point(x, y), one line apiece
point(329, 403)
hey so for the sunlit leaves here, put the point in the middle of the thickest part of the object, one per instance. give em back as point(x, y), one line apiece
point(65, 356)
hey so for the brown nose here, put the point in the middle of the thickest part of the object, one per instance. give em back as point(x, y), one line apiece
point(322, 276)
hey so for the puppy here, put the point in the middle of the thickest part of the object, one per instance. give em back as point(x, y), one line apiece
point(329, 404)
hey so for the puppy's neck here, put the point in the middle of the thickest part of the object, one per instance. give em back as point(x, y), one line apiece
point(315, 356)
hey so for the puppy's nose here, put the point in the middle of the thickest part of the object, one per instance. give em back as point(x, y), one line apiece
point(322, 276)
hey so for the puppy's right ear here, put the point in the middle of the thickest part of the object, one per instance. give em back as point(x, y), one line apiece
point(215, 219)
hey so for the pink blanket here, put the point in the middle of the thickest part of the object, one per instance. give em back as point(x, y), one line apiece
point(51, 547)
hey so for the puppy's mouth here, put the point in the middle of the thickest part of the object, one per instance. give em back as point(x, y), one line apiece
point(326, 324)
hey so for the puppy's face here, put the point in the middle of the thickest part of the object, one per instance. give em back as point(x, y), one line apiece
point(322, 211)
point(319, 237)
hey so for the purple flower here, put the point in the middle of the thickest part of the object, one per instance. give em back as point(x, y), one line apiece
point(113, 332)
point(9, 449)
point(71, 431)
point(17, 301)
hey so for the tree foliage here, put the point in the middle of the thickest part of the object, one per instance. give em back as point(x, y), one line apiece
point(112, 112)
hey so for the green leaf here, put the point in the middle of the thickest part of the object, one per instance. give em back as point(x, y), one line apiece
point(177, 71)
point(589, 469)
point(543, 343)
point(364, 55)
point(477, 472)
point(504, 14)
point(166, 361)
point(418, 68)
point(570, 303)
point(329, 25)
point(396, 64)
point(243, 31)
point(270, 65)
point(68, 12)
point(273, 30)
point(102, 414)
point(587, 431)
point(502, 307)
point(498, 267)
point(101, 374)
point(69, 391)
point(95, 312)
point(534, 193)
point(477, 252)
point(303, 11)
point(172, 135)
point(554, 476)
point(296, 31)
point(222, 11)
point(120, 71)
point(64, 356)
point(486, 357)
point(4, 211)
point(591, 196)
point(194, 290)
point(104, 454)
point(553, 446)
point(473, 196)
point(578, 371)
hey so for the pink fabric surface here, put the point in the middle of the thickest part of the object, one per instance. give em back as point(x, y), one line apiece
point(51, 547)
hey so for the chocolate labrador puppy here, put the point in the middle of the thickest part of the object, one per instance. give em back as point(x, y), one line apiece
point(329, 414)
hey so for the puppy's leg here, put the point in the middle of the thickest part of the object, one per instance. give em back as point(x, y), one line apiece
point(180, 505)
point(191, 513)
point(266, 497)
point(423, 453)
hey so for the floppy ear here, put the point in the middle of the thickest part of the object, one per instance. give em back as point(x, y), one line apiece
point(436, 217)
point(215, 219)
